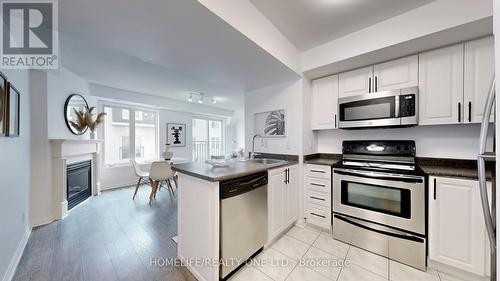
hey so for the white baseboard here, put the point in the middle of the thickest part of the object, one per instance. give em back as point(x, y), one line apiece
point(41, 221)
point(11, 269)
point(120, 185)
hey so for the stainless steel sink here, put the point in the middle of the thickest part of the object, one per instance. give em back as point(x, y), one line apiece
point(264, 161)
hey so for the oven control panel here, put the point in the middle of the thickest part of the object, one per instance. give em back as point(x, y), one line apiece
point(389, 148)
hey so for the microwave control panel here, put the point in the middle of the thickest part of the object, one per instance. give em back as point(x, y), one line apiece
point(407, 105)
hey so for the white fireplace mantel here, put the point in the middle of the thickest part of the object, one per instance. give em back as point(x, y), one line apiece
point(65, 152)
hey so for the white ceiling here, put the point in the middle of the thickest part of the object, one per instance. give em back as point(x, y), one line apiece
point(165, 48)
point(309, 23)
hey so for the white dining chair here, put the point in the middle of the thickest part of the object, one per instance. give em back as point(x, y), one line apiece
point(161, 171)
point(143, 176)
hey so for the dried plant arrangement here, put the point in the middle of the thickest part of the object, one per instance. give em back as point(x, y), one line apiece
point(81, 122)
point(89, 118)
point(85, 119)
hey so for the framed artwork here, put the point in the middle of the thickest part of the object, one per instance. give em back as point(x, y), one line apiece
point(13, 114)
point(270, 123)
point(3, 104)
point(176, 134)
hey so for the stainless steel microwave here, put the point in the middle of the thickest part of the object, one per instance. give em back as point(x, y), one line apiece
point(395, 108)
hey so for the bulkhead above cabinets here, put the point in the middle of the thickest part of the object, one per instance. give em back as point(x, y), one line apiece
point(453, 84)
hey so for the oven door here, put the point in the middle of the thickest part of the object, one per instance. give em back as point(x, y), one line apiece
point(370, 110)
point(392, 200)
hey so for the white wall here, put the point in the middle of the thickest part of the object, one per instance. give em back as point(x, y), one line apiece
point(60, 84)
point(453, 141)
point(286, 96)
point(15, 182)
point(49, 92)
point(248, 20)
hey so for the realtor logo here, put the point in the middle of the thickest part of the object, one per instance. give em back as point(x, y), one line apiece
point(29, 35)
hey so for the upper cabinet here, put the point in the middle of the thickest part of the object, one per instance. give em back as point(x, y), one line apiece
point(479, 71)
point(441, 86)
point(454, 82)
point(324, 102)
point(396, 74)
point(356, 82)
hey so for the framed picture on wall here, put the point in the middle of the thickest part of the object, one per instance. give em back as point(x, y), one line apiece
point(13, 108)
point(176, 134)
point(3, 104)
point(270, 123)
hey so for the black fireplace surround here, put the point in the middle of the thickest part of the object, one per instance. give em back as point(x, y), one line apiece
point(79, 182)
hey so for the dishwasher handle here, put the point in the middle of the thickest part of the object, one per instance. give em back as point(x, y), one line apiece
point(242, 185)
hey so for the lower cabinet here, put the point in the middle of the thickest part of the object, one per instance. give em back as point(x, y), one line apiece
point(457, 233)
point(318, 192)
point(282, 199)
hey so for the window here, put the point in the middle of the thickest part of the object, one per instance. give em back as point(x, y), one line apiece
point(123, 135)
point(208, 139)
point(125, 114)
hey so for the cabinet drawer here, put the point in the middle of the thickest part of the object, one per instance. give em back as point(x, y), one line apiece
point(321, 185)
point(319, 198)
point(319, 215)
point(319, 171)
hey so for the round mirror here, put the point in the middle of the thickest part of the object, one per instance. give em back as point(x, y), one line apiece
point(74, 111)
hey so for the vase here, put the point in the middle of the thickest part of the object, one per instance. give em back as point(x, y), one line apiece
point(167, 154)
point(92, 135)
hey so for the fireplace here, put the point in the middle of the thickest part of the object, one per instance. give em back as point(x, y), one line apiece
point(79, 182)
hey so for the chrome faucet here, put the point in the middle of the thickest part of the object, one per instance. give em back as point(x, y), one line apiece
point(252, 154)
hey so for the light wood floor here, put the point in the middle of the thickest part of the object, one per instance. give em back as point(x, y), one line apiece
point(109, 237)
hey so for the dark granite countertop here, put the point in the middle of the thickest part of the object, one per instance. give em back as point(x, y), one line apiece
point(235, 169)
point(458, 168)
point(322, 159)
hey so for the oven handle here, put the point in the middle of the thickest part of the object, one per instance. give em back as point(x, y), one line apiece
point(379, 228)
point(385, 176)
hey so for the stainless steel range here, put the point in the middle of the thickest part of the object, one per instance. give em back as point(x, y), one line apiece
point(379, 200)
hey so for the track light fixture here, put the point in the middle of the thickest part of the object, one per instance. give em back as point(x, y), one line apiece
point(201, 98)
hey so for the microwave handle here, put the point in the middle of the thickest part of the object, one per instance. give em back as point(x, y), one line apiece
point(396, 104)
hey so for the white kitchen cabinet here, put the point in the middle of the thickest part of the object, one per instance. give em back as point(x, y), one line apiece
point(324, 101)
point(396, 74)
point(318, 195)
point(441, 86)
point(479, 68)
point(457, 234)
point(291, 191)
point(282, 202)
point(356, 82)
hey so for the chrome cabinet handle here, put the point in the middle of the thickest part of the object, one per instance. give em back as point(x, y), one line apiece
point(317, 215)
point(434, 188)
point(376, 84)
point(317, 198)
point(470, 112)
point(317, 184)
point(317, 171)
point(369, 84)
point(459, 112)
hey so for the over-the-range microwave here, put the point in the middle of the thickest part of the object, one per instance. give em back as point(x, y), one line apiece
point(395, 108)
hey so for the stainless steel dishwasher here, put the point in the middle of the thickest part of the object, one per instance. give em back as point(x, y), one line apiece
point(243, 220)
